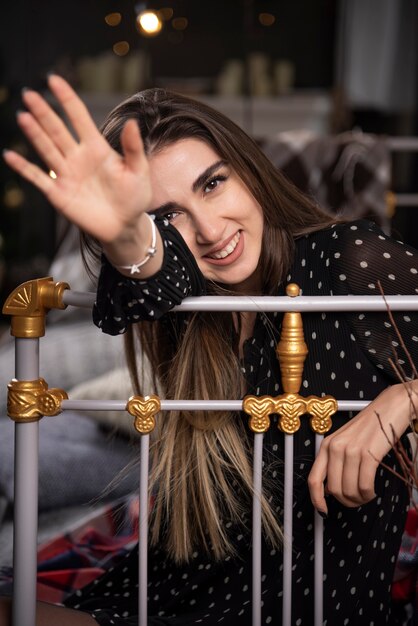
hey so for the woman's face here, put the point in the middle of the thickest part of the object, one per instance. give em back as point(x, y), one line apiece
point(212, 209)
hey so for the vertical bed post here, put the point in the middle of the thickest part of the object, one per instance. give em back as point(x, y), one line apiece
point(28, 400)
point(319, 557)
point(25, 496)
point(259, 410)
point(287, 531)
point(144, 411)
point(291, 352)
point(256, 556)
point(143, 532)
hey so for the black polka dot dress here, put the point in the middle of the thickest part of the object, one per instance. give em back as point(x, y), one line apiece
point(348, 358)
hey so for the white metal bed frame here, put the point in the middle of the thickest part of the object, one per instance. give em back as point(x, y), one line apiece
point(29, 400)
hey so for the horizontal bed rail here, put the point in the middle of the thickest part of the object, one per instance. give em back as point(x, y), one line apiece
point(311, 304)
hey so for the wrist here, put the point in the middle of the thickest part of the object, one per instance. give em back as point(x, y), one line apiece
point(151, 251)
point(138, 250)
point(412, 391)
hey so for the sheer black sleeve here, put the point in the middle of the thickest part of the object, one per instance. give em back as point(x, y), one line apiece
point(361, 257)
point(122, 300)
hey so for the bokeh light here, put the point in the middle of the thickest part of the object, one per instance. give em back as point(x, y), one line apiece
point(180, 23)
point(266, 19)
point(121, 48)
point(52, 174)
point(149, 22)
point(13, 197)
point(166, 13)
point(4, 94)
point(113, 19)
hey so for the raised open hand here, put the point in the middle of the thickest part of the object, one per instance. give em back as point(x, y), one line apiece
point(96, 188)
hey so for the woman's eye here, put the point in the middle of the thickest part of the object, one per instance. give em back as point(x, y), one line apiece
point(213, 183)
point(170, 215)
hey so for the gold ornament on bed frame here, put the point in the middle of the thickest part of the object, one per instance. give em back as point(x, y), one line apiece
point(290, 406)
point(144, 410)
point(29, 303)
point(29, 400)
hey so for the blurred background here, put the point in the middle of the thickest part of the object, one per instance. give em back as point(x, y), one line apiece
point(328, 88)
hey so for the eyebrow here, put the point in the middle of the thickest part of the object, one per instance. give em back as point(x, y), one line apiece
point(197, 184)
point(203, 177)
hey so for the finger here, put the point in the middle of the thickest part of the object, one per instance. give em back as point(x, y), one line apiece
point(74, 107)
point(350, 473)
point(49, 121)
point(43, 145)
point(132, 146)
point(343, 473)
point(316, 479)
point(335, 465)
point(367, 477)
point(28, 170)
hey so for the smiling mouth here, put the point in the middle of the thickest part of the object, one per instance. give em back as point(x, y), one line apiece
point(229, 249)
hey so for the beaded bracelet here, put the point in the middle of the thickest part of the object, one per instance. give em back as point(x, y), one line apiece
point(151, 251)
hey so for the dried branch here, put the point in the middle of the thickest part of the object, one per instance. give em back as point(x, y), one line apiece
point(398, 334)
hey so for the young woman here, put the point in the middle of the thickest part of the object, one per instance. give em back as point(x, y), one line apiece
point(225, 221)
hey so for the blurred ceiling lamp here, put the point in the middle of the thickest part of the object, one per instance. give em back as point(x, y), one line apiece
point(52, 174)
point(149, 23)
point(113, 19)
point(121, 48)
point(266, 19)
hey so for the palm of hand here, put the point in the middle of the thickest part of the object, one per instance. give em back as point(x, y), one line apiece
point(98, 190)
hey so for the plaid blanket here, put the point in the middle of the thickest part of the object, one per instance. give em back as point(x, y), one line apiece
point(72, 560)
point(405, 581)
point(347, 174)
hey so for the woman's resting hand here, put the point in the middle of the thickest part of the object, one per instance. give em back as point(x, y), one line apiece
point(103, 193)
point(348, 459)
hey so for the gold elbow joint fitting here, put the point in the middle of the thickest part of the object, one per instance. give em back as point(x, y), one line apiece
point(29, 303)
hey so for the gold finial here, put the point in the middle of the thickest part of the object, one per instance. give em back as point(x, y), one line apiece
point(144, 410)
point(292, 349)
point(292, 290)
point(29, 303)
point(290, 406)
point(29, 400)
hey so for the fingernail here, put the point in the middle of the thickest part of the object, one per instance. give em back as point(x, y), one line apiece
point(322, 514)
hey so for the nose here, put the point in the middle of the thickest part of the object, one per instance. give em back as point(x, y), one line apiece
point(209, 228)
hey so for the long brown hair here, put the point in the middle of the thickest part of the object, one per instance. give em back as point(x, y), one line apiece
point(198, 457)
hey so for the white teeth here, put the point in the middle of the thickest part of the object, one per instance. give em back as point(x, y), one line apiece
point(229, 248)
